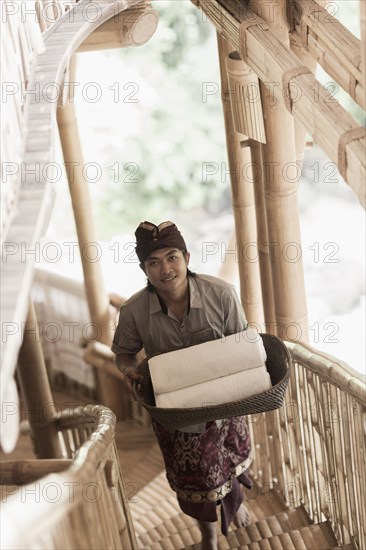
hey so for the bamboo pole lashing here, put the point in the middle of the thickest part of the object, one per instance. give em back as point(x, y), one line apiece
point(350, 135)
point(287, 76)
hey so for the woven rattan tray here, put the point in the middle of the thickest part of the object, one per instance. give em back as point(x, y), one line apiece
point(278, 365)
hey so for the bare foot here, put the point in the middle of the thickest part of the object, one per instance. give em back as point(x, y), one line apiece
point(242, 517)
point(209, 536)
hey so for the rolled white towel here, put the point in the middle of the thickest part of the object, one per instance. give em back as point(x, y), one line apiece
point(234, 387)
point(196, 364)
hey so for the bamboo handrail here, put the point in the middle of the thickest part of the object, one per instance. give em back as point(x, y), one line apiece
point(101, 357)
point(331, 369)
point(88, 436)
point(318, 460)
point(321, 117)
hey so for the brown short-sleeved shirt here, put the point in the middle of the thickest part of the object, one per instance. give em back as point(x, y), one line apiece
point(214, 312)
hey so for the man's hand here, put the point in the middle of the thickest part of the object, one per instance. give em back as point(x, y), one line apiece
point(126, 363)
point(130, 375)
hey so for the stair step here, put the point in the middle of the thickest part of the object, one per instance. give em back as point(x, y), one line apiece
point(157, 495)
point(318, 536)
point(184, 533)
point(144, 469)
point(156, 502)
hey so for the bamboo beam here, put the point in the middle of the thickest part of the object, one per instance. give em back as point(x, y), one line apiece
point(96, 294)
point(132, 27)
point(243, 202)
point(311, 64)
point(328, 123)
point(332, 45)
point(40, 407)
point(19, 472)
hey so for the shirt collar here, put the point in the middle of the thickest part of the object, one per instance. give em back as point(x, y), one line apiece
point(154, 304)
point(194, 293)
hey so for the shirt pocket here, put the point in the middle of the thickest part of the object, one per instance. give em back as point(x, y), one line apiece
point(205, 334)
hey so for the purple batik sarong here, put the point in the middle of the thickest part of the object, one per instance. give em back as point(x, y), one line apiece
point(206, 468)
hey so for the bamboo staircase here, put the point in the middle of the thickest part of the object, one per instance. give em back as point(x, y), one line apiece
point(309, 458)
point(159, 523)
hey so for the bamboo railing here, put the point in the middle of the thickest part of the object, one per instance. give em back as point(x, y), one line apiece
point(85, 506)
point(65, 330)
point(313, 449)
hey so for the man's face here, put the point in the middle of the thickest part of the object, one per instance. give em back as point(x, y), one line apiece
point(166, 269)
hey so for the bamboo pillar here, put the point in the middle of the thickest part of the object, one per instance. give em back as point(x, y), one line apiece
point(281, 181)
point(264, 251)
point(228, 269)
point(41, 411)
point(96, 294)
point(243, 202)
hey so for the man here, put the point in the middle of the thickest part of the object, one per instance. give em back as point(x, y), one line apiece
point(204, 463)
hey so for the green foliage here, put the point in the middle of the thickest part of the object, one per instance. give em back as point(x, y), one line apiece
point(178, 132)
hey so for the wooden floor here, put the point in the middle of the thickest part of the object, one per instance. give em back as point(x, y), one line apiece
point(158, 521)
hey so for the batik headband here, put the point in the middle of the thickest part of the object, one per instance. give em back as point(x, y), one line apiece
point(151, 237)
